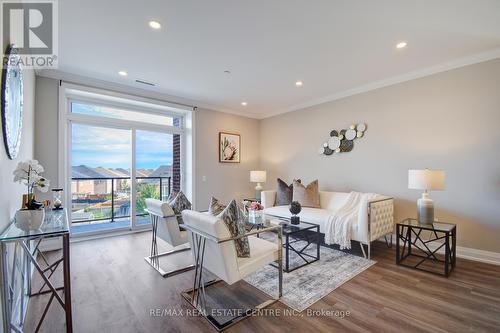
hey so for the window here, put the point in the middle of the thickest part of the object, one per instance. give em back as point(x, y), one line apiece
point(119, 157)
point(118, 113)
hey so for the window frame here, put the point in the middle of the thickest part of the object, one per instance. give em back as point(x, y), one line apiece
point(70, 93)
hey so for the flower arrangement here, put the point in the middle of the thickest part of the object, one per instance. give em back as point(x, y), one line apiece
point(255, 206)
point(30, 174)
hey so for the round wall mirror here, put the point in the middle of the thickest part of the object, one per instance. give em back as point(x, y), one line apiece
point(12, 102)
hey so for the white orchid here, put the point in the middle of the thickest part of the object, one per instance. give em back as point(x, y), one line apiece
point(29, 173)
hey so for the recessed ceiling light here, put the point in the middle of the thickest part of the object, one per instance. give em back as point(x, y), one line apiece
point(299, 83)
point(123, 73)
point(244, 103)
point(401, 45)
point(155, 25)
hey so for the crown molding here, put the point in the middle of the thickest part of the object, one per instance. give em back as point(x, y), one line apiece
point(450, 65)
point(454, 64)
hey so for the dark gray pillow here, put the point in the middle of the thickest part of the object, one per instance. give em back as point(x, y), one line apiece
point(215, 207)
point(236, 228)
point(284, 193)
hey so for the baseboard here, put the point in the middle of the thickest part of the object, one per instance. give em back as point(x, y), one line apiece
point(487, 257)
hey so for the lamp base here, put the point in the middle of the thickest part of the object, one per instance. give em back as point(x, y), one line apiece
point(425, 209)
point(258, 190)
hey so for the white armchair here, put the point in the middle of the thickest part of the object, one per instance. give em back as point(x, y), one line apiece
point(165, 226)
point(214, 251)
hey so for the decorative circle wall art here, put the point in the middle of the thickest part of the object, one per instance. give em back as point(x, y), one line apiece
point(342, 141)
point(334, 142)
point(350, 134)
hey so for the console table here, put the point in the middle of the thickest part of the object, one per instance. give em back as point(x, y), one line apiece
point(20, 254)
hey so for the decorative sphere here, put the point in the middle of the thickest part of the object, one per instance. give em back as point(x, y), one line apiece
point(295, 207)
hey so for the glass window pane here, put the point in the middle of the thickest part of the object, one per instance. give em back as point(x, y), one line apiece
point(154, 158)
point(100, 172)
point(116, 113)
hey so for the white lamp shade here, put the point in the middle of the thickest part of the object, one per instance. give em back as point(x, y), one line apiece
point(258, 176)
point(426, 179)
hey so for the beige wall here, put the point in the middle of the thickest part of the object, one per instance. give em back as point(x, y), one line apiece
point(224, 180)
point(449, 120)
point(46, 130)
point(11, 193)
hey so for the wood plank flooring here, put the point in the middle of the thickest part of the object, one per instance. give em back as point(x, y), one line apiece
point(114, 290)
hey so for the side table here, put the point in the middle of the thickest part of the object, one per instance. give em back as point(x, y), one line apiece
point(422, 254)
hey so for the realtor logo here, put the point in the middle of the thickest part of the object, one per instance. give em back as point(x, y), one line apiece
point(32, 27)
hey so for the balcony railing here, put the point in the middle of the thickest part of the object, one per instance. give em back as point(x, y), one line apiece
point(108, 198)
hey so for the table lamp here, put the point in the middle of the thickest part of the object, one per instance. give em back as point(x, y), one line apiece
point(427, 180)
point(258, 177)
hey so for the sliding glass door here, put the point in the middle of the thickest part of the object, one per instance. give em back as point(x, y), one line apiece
point(153, 169)
point(116, 164)
point(100, 189)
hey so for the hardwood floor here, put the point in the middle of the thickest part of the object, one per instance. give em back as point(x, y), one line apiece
point(114, 290)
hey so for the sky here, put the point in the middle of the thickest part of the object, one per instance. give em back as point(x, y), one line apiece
point(111, 148)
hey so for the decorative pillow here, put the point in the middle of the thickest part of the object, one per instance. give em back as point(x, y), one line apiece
point(178, 204)
point(284, 193)
point(215, 207)
point(172, 196)
point(236, 227)
point(307, 196)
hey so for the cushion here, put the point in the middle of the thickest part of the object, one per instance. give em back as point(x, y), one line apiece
point(178, 204)
point(172, 196)
point(307, 196)
point(263, 252)
point(284, 193)
point(236, 228)
point(215, 207)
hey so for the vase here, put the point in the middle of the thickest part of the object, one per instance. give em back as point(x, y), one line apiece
point(27, 219)
point(255, 216)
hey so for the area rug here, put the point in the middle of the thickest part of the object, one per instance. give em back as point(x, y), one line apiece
point(306, 285)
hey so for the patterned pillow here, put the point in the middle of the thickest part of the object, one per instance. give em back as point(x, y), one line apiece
point(178, 204)
point(172, 196)
point(284, 193)
point(215, 207)
point(236, 227)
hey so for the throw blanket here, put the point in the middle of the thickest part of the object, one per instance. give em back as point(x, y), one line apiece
point(338, 227)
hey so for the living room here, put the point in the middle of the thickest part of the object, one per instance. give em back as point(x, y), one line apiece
point(262, 166)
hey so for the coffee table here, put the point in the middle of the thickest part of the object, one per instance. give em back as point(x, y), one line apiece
point(293, 234)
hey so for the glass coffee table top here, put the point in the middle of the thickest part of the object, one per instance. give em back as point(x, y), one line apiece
point(437, 226)
point(288, 228)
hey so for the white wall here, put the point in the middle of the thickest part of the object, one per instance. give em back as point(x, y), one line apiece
point(46, 133)
point(11, 193)
point(449, 120)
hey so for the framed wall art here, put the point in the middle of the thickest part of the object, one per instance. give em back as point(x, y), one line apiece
point(229, 147)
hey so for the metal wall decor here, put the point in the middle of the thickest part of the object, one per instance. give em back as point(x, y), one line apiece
point(342, 141)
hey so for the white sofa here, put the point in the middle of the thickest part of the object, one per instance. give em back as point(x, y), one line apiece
point(375, 217)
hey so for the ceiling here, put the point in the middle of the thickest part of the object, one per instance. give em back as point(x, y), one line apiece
point(335, 47)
